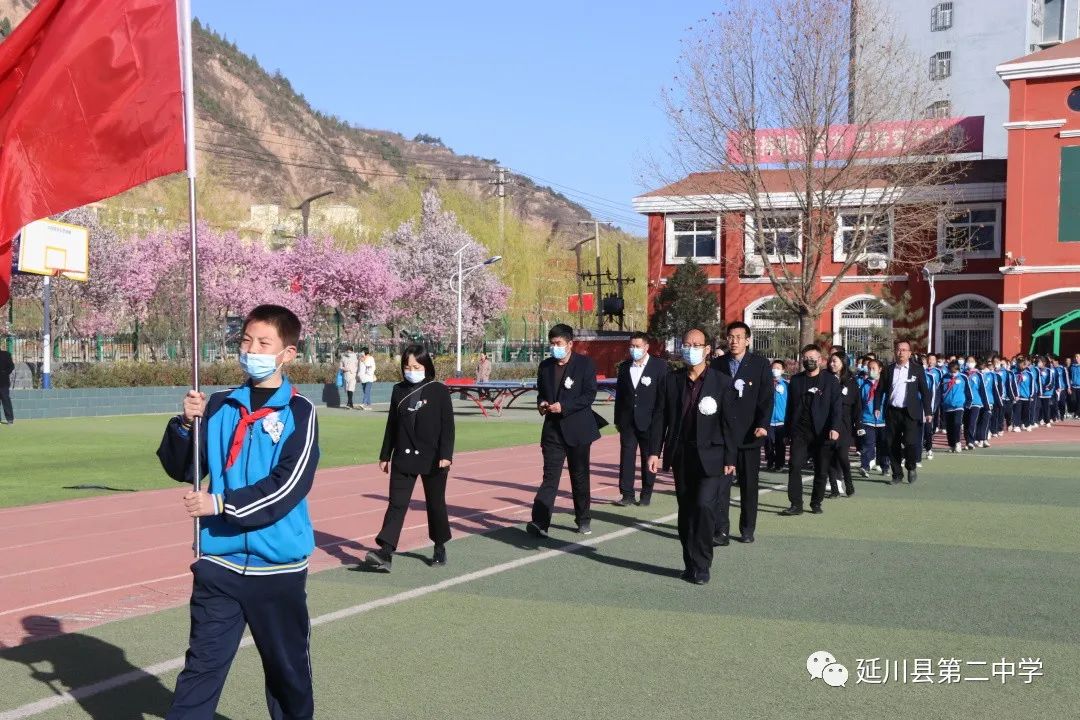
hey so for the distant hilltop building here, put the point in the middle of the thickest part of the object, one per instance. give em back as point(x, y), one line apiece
point(272, 222)
point(129, 220)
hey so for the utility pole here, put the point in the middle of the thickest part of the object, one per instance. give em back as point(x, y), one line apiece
point(619, 283)
point(599, 289)
point(499, 181)
point(305, 209)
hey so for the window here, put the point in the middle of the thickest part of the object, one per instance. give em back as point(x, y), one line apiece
point(692, 237)
point(939, 109)
point(1074, 99)
point(1036, 12)
point(967, 328)
point(863, 326)
point(941, 16)
point(779, 234)
point(855, 229)
point(1052, 20)
point(972, 231)
point(1069, 194)
point(775, 331)
point(941, 65)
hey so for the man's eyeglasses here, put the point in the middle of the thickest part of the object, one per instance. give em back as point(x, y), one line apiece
point(695, 347)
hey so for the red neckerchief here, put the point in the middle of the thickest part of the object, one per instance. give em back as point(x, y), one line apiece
point(247, 419)
point(873, 389)
point(952, 381)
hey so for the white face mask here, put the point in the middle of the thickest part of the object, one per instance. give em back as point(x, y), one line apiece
point(637, 353)
point(415, 376)
point(777, 372)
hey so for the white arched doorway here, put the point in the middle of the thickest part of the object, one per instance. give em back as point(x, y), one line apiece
point(862, 324)
point(1047, 307)
point(967, 324)
point(775, 331)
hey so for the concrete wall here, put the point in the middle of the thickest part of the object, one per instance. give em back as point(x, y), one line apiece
point(86, 402)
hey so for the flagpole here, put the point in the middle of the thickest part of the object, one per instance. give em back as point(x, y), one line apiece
point(189, 143)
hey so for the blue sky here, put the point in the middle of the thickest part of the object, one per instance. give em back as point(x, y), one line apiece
point(567, 92)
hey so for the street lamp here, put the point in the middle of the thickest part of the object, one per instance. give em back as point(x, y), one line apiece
point(929, 270)
point(305, 209)
point(460, 274)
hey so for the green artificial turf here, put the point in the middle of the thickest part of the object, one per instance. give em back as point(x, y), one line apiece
point(976, 561)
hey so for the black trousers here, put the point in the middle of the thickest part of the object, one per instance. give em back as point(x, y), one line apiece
point(776, 446)
point(5, 401)
point(954, 427)
point(698, 495)
point(556, 452)
point(804, 447)
point(747, 468)
point(274, 607)
point(401, 490)
point(840, 466)
point(634, 447)
point(904, 439)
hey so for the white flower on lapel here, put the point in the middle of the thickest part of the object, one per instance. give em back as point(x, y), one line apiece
point(568, 383)
point(815, 390)
point(707, 406)
point(646, 380)
point(739, 385)
point(273, 426)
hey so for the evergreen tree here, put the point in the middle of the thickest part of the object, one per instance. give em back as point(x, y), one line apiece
point(684, 303)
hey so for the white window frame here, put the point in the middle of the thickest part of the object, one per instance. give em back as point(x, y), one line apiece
point(749, 235)
point(941, 65)
point(671, 244)
point(939, 109)
point(941, 17)
point(973, 254)
point(839, 255)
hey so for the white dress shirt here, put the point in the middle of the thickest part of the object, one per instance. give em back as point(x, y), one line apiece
point(899, 386)
point(636, 371)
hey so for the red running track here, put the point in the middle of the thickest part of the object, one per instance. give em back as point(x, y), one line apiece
point(90, 561)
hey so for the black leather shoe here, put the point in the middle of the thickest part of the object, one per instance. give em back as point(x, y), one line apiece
point(832, 494)
point(720, 540)
point(439, 556)
point(745, 539)
point(624, 500)
point(645, 500)
point(897, 479)
point(535, 530)
point(816, 509)
point(912, 476)
point(791, 511)
point(687, 575)
point(379, 560)
point(701, 577)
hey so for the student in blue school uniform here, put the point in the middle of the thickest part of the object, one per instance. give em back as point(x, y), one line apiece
point(955, 399)
point(1073, 377)
point(1061, 384)
point(260, 447)
point(871, 433)
point(776, 441)
point(933, 382)
point(991, 402)
point(1026, 395)
point(1046, 393)
point(1007, 388)
point(975, 405)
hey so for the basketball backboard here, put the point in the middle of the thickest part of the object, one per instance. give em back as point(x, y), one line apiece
point(48, 247)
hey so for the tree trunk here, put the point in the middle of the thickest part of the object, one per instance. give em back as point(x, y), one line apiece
point(807, 329)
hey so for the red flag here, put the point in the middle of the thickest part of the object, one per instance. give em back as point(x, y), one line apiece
point(91, 105)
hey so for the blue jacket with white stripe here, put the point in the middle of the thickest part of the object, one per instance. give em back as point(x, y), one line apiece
point(262, 526)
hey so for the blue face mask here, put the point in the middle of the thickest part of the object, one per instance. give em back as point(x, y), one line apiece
point(637, 353)
point(559, 351)
point(693, 355)
point(415, 376)
point(258, 366)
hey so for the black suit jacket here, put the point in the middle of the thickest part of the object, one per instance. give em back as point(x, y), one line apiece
point(634, 406)
point(716, 440)
point(419, 428)
point(7, 366)
point(754, 405)
point(577, 421)
point(916, 397)
point(850, 407)
point(825, 414)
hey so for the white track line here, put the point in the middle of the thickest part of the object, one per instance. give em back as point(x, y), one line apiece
point(87, 691)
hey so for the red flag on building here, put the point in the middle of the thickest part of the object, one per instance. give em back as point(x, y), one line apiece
point(91, 104)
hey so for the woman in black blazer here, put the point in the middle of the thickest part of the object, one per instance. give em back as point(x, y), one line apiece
point(850, 413)
point(419, 441)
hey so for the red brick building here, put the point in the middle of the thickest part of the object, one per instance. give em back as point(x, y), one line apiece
point(1023, 218)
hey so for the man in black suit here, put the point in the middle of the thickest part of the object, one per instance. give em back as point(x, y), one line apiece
point(693, 428)
point(812, 422)
point(7, 366)
point(906, 397)
point(636, 386)
point(752, 377)
point(566, 389)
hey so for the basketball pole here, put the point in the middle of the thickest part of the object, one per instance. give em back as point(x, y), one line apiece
point(189, 143)
point(46, 333)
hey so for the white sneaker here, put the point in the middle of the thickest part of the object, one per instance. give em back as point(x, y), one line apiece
point(1029, 428)
point(986, 444)
point(918, 465)
point(956, 448)
point(929, 454)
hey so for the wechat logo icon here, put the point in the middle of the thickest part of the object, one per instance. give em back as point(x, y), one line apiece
point(822, 665)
